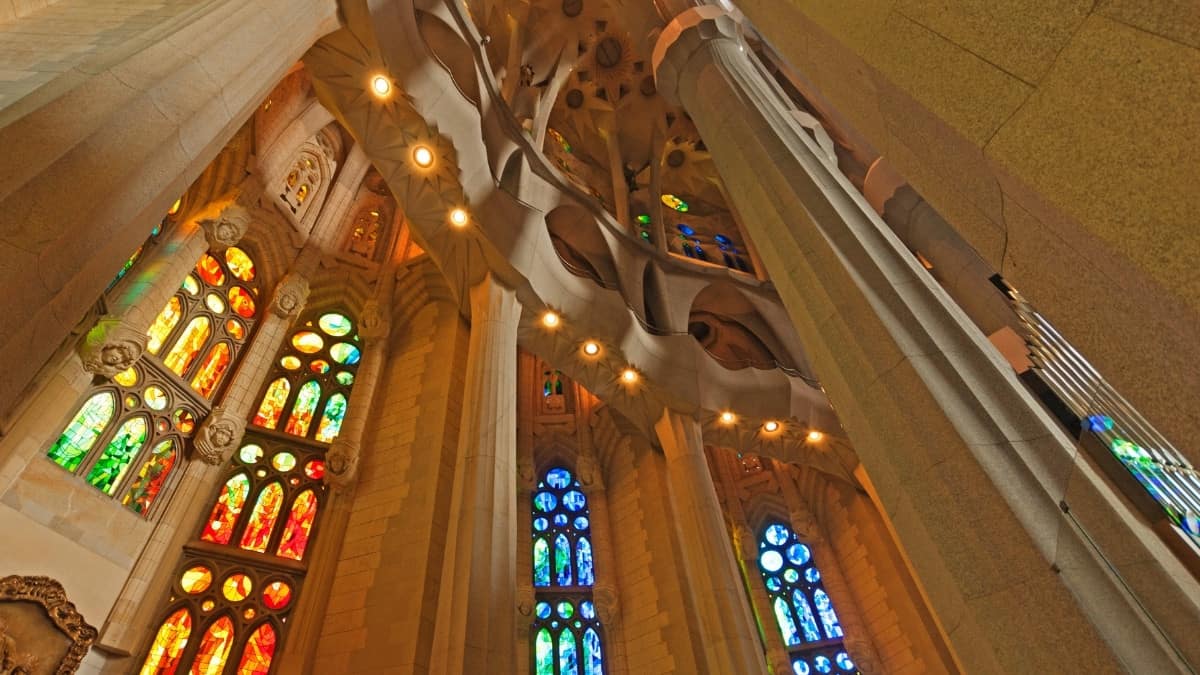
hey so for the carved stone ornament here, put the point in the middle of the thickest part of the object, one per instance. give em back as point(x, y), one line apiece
point(290, 296)
point(52, 598)
point(111, 346)
point(219, 436)
point(342, 462)
point(227, 229)
point(604, 597)
point(588, 470)
point(373, 323)
point(525, 600)
point(525, 470)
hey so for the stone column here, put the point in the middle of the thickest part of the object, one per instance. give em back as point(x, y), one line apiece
point(710, 573)
point(218, 436)
point(477, 602)
point(342, 462)
point(942, 426)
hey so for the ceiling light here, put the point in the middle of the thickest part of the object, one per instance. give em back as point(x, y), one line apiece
point(423, 156)
point(459, 217)
point(728, 417)
point(550, 319)
point(629, 376)
point(591, 348)
point(771, 426)
point(381, 85)
point(815, 436)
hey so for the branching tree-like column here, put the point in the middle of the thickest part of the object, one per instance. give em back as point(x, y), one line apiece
point(477, 604)
point(711, 576)
point(948, 435)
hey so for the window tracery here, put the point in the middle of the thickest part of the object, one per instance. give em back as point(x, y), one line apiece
point(566, 631)
point(238, 601)
point(127, 435)
point(803, 611)
point(309, 390)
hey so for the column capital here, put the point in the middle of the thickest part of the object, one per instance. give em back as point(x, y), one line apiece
point(111, 346)
point(290, 295)
point(373, 322)
point(218, 436)
point(342, 460)
point(682, 38)
point(227, 229)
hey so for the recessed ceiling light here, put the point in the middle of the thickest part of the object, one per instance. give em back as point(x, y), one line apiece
point(771, 426)
point(629, 376)
point(815, 436)
point(381, 85)
point(459, 217)
point(591, 348)
point(550, 319)
point(728, 417)
point(423, 156)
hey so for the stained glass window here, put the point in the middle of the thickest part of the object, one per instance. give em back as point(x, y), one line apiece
point(107, 472)
point(214, 648)
point(151, 478)
point(260, 648)
point(212, 369)
point(262, 519)
point(81, 434)
point(566, 629)
point(299, 524)
point(314, 376)
point(803, 610)
point(163, 324)
point(189, 344)
point(167, 648)
point(224, 516)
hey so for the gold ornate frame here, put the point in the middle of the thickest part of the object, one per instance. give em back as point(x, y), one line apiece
point(52, 597)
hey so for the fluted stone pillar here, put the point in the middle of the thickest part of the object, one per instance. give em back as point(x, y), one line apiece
point(219, 434)
point(947, 434)
point(477, 602)
point(711, 576)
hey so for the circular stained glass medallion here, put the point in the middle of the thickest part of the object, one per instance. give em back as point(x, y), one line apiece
point(242, 302)
point(132, 401)
point(237, 587)
point(540, 524)
point(823, 664)
point(214, 303)
point(778, 535)
point(581, 523)
point(196, 579)
point(283, 461)
point(773, 584)
point(235, 329)
point(560, 519)
point(543, 610)
point(336, 325)
point(791, 576)
point(345, 378)
point(190, 285)
point(277, 595)
point(844, 662)
point(566, 610)
point(812, 575)
point(800, 667)
point(345, 353)
point(771, 561)
point(239, 263)
point(315, 469)
point(207, 606)
point(250, 454)
point(249, 613)
point(307, 342)
point(799, 554)
point(544, 502)
point(156, 399)
point(587, 610)
point(210, 271)
point(574, 501)
point(290, 362)
point(184, 420)
point(319, 366)
point(558, 478)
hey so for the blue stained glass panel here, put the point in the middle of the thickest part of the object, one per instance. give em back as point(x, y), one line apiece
point(771, 561)
point(540, 524)
point(807, 621)
point(783, 616)
point(844, 662)
point(574, 501)
point(828, 617)
point(558, 478)
point(543, 610)
point(541, 562)
point(560, 519)
point(562, 560)
point(587, 610)
point(798, 554)
point(544, 502)
point(583, 559)
point(593, 660)
point(568, 659)
point(800, 666)
point(581, 523)
point(778, 534)
point(544, 653)
point(812, 575)
point(823, 664)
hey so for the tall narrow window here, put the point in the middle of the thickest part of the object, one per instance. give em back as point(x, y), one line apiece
point(803, 611)
point(127, 438)
point(566, 631)
point(310, 392)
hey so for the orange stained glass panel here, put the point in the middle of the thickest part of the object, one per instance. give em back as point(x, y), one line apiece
point(299, 525)
point(272, 404)
point(277, 595)
point(239, 263)
point(260, 648)
point(168, 645)
point(212, 369)
point(241, 302)
point(163, 324)
point(304, 408)
point(219, 527)
point(188, 345)
point(210, 270)
point(262, 520)
point(214, 648)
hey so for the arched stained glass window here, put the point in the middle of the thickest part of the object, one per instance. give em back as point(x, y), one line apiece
point(151, 478)
point(108, 471)
point(259, 650)
point(313, 376)
point(168, 645)
point(163, 324)
point(803, 611)
point(224, 516)
point(299, 524)
point(262, 519)
point(81, 434)
point(566, 630)
point(189, 344)
point(214, 648)
point(212, 369)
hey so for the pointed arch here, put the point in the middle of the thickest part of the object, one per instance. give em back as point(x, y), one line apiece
point(188, 345)
point(153, 475)
point(225, 512)
point(304, 408)
point(167, 648)
point(272, 404)
point(298, 527)
point(126, 443)
point(212, 369)
point(163, 324)
point(331, 420)
point(259, 651)
point(263, 518)
point(83, 431)
point(214, 647)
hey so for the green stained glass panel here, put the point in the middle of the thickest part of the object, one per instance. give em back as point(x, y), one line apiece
point(562, 560)
point(541, 563)
point(568, 657)
point(331, 421)
point(112, 465)
point(81, 434)
point(544, 653)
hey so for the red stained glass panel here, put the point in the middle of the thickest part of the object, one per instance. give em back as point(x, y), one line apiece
point(260, 648)
point(262, 521)
point(219, 527)
point(168, 645)
point(214, 648)
point(299, 525)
